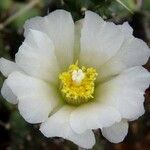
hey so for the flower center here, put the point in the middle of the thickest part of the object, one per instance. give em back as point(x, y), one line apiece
point(78, 84)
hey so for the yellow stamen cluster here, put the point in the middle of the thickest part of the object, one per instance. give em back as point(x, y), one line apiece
point(78, 92)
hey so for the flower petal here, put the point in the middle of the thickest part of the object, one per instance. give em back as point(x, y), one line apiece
point(37, 58)
point(36, 98)
point(100, 40)
point(134, 52)
point(117, 132)
point(8, 94)
point(59, 26)
point(127, 30)
point(58, 126)
point(93, 116)
point(125, 92)
point(7, 67)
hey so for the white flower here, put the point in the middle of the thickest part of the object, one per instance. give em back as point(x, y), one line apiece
point(73, 78)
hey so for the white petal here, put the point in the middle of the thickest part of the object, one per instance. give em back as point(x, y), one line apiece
point(36, 98)
point(34, 109)
point(134, 52)
point(100, 40)
point(8, 94)
point(117, 132)
point(93, 116)
point(127, 30)
point(7, 67)
point(37, 58)
point(36, 23)
point(58, 126)
point(60, 28)
point(125, 92)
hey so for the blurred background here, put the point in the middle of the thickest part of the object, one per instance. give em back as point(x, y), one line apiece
point(15, 133)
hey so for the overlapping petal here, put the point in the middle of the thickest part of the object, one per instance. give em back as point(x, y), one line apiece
point(133, 52)
point(7, 67)
point(93, 116)
point(8, 94)
point(36, 98)
point(100, 40)
point(59, 26)
point(58, 126)
point(126, 30)
point(125, 92)
point(37, 58)
point(117, 132)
